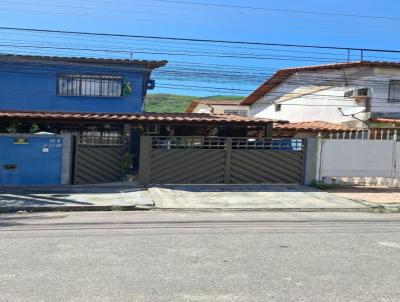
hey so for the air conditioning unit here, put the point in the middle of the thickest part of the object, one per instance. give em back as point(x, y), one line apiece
point(358, 93)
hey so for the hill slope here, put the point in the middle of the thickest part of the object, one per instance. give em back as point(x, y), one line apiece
point(162, 102)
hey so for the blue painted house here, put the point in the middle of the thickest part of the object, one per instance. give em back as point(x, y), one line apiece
point(62, 84)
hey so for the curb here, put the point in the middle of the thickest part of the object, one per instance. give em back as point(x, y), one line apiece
point(5, 210)
point(361, 210)
point(378, 208)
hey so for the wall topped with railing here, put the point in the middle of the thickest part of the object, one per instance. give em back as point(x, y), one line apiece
point(199, 142)
point(372, 134)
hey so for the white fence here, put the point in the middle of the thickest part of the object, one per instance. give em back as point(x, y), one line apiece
point(359, 161)
point(375, 134)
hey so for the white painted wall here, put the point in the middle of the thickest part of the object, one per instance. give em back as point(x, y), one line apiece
point(323, 105)
point(218, 109)
point(348, 158)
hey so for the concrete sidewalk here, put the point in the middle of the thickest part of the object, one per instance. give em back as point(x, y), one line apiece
point(250, 197)
point(387, 198)
point(74, 198)
point(179, 197)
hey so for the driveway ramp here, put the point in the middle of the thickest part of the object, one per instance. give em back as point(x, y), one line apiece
point(267, 197)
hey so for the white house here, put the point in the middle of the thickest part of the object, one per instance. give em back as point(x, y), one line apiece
point(352, 93)
point(218, 107)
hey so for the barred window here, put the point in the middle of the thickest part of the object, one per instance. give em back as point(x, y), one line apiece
point(89, 85)
point(394, 91)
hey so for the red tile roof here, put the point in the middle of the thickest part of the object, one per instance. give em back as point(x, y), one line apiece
point(194, 103)
point(22, 58)
point(283, 74)
point(313, 126)
point(201, 118)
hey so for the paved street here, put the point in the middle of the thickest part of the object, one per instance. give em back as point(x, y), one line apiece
point(201, 256)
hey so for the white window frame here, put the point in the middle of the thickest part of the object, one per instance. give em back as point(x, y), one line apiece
point(394, 91)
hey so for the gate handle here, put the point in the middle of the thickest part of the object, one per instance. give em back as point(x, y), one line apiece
point(9, 167)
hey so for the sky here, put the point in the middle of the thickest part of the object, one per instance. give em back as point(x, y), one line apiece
point(204, 68)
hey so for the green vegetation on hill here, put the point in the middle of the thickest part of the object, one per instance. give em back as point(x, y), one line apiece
point(162, 102)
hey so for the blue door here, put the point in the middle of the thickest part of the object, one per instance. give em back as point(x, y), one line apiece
point(33, 160)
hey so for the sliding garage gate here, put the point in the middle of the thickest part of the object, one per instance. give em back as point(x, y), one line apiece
point(97, 160)
point(204, 160)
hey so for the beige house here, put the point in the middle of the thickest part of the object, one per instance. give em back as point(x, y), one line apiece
point(355, 94)
point(218, 107)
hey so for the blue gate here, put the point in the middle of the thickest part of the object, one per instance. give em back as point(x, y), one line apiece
point(30, 160)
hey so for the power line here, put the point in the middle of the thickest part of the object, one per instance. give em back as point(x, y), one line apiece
point(195, 39)
point(188, 54)
point(234, 90)
point(280, 10)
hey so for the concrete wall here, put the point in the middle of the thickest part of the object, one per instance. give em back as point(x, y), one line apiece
point(351, 158)
point(297, 105)
point(27, 159)
point(357, 158)
point(33, 86)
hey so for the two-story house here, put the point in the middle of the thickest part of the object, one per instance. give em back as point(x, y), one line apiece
point(40, 83)
point(356, 94)
point(105, 97)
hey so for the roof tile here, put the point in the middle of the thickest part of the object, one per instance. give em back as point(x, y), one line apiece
point(314, 126)
point(151, 64)
point(145, 116)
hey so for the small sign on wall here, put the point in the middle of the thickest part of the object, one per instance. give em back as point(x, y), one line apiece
point(21, 141)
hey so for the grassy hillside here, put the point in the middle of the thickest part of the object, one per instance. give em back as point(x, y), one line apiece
point(178, 103)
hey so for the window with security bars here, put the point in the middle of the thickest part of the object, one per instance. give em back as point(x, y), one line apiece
point(394, 91)
point(89, 85)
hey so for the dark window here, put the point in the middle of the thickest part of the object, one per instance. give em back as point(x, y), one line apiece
point(278, 107)
point(349, 94)
point(89, 85)
point(362, 92)
point(394, 91)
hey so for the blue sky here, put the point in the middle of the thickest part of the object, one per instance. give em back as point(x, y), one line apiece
point(152, 17)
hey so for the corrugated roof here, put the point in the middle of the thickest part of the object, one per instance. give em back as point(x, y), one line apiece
point(314, 126)
point(283, 74)
point(194, 103)
point(137, 117)
point(150, 64)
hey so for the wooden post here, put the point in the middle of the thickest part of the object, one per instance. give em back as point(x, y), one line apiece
point(269, 130)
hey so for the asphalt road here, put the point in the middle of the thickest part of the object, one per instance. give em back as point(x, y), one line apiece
point(185, 256)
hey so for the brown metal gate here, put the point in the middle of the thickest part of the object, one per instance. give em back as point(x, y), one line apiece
point(203, 160)
point(97, 160)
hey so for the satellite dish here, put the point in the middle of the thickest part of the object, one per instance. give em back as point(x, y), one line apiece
point(351, 110)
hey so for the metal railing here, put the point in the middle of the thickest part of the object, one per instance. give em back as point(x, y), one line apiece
point(100, 140)
point(199, 142)
point(374, 134)
point(188, 142)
